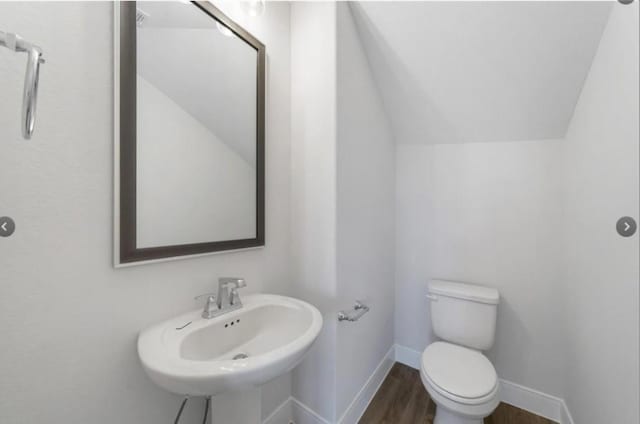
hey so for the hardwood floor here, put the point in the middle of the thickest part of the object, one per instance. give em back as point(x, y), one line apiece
point(402, 399)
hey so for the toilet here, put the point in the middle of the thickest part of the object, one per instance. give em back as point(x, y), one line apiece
point(457, 375)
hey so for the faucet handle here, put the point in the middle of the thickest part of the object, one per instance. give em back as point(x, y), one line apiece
point(211, 307)
point(234, 297)
point(234, 284)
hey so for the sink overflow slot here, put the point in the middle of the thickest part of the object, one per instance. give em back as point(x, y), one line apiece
point(240, 356)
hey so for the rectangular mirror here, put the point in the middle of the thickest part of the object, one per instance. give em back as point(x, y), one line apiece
point(190, 154)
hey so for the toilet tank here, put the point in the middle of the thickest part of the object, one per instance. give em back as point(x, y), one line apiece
point(464, 314)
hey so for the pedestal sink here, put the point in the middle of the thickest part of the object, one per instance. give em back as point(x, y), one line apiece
point(267, 337)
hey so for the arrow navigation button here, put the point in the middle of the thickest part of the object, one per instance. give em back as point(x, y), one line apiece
point(626, 226)
point(7, 226)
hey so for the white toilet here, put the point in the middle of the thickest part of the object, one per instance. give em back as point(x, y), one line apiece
point(459, 378)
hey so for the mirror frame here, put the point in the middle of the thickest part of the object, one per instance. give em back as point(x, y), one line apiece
point(125, 146)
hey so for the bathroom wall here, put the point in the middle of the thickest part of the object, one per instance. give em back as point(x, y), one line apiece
point(342, 205)
point(536, 219)
point(486, 213)
point(365, 215)
point(601, 274)
point(313, 192)
point(69, 319)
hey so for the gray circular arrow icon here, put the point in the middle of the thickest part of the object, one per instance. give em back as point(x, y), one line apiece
point(626, 226)
point(7, 226)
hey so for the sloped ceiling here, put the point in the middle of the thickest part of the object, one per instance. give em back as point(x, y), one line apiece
point(452, 72)
point(211, 76)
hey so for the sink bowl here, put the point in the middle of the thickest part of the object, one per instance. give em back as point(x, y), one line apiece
point(267, 337)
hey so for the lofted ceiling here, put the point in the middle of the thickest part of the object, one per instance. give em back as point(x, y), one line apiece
point(179, 51)
point(451, 72)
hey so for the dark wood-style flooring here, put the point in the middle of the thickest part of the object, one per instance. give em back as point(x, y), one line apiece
point(402, 399)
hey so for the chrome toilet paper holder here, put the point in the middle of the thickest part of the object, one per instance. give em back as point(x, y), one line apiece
point(359, 309)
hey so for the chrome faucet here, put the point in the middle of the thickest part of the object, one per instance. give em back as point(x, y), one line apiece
point(230, 298)
point(227, 300)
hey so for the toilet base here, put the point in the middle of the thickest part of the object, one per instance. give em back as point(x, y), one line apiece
point(443, 416)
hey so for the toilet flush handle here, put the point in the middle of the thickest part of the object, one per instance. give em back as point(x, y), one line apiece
point(432, 297)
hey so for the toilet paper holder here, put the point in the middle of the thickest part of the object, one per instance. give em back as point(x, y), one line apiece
point(359, 309)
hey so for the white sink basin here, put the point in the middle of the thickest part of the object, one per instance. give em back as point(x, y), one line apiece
point(274, 332)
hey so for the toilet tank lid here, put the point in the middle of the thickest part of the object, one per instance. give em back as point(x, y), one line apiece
point(464, 291)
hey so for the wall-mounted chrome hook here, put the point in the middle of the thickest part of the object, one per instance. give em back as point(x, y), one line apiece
point(30, 94)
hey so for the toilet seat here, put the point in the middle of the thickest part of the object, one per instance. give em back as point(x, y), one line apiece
point(459, 374)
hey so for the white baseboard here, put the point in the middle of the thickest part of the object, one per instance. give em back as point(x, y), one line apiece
point(302, 414)
point(360, 403)
point(408, 357)
point(531, 400)
point(565, 417)
point(283, 414)
point(292, 411)
point(547, 406)
point(542, 404)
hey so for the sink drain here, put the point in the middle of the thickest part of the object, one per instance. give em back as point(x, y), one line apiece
point(240, 356)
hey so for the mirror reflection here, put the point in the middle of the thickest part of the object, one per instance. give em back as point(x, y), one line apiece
point(196, 96)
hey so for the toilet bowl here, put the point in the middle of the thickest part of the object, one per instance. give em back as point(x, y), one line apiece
point(462, 383)
point(460, 380)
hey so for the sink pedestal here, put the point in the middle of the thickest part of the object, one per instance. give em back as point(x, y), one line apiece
point(243, 407)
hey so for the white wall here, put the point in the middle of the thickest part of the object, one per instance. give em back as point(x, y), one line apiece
point(601, 157)
point(342, 205)
point(313, 192)
point(537, 220)
point(486, 213)
point(365, 216)
point(69, 319)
